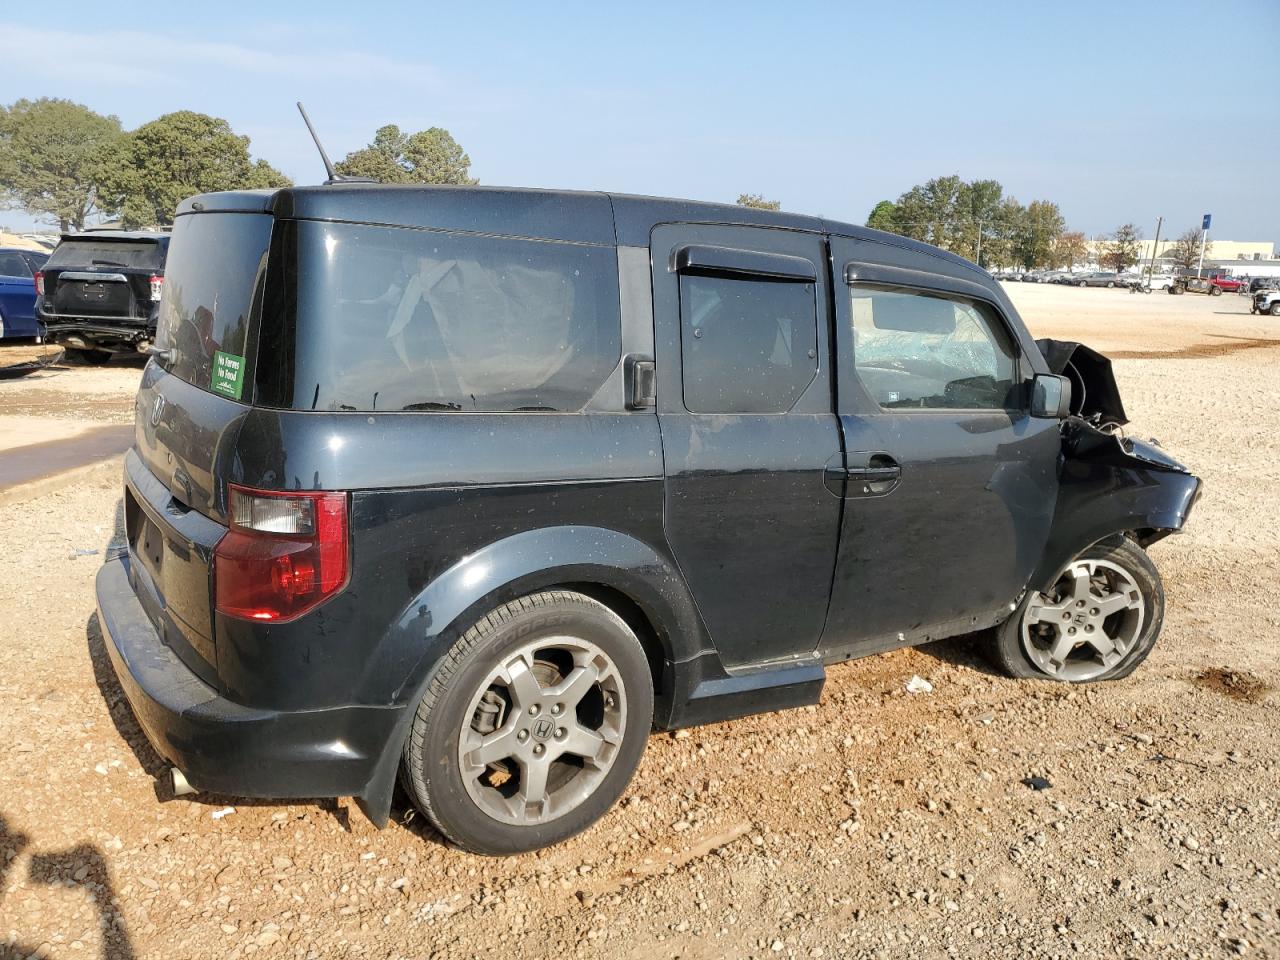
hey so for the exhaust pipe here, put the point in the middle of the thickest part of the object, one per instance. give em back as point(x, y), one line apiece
point(178, 781)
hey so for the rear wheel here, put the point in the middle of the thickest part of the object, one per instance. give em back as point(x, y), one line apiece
point(1275, 309)
point(1215, 291)
point(1081, 284)
point(1110, 285)
point(1097, 620)
point(532, 726)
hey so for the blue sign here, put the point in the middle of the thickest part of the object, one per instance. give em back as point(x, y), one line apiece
point(1207, 218)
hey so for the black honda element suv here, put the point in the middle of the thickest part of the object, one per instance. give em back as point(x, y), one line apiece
point(473, 488)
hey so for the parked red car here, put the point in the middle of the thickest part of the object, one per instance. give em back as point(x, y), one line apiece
point(1228, 284)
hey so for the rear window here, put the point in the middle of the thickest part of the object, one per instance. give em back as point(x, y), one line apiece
point(213, 281)
point(391, 319)
point(91, 252)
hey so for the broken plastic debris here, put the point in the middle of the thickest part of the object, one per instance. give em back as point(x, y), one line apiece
point(79, 552)
point(219, 814)
point(918, 684)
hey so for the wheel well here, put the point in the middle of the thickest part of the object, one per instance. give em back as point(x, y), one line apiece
point(635, 618)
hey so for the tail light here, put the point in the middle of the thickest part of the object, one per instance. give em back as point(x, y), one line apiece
point(39, 283)
point(157, 287)
point(285, 554)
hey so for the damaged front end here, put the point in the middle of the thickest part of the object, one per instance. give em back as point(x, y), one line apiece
point(1108, 484)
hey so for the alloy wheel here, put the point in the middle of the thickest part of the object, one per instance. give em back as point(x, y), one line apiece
point(1086, 623)
point(542, 730)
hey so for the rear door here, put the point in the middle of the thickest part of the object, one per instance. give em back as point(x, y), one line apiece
point(950, 483)
point(744, 406)
point(189, 409)
point(100, 277)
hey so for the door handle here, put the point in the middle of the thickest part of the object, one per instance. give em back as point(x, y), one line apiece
point(874, 474)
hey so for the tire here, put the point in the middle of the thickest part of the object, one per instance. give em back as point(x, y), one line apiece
point(1215, 291)
point(1111, 286)
point(1081, 284)
point(1177, 290)
point(492, 683)
point(90, 358)
point(1275, 309)
point(1031, 645)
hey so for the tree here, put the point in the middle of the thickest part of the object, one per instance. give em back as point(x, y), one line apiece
point(1037, 234)
point(429, 156)
point(1123, 248)
point(1185, 251)
point(52, 155)
point(882, 216)
point(176, 156)
point(1070, 250)
point(756, 201)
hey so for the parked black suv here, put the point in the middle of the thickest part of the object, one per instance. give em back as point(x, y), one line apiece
point(479, 486)
point(100, 292)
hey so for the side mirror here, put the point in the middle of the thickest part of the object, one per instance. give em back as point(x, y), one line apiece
point(1050, 396)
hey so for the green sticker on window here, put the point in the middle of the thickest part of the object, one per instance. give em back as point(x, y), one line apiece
point(228, 374)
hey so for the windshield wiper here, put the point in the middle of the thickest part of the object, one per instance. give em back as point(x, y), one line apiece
point(432, 405)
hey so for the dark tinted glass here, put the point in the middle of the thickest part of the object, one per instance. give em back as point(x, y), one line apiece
point(89, 252)
point(918, 351)
point(13, 265)
point(386, 318)
point(749, 346)
point(215, 270)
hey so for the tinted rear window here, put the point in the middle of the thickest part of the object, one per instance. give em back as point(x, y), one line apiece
point(90, 252)
point(213, 281)
point(392, 319)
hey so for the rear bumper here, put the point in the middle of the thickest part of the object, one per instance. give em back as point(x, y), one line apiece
point(222, 746)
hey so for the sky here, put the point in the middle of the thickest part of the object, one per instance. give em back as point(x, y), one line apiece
point(1122, 111)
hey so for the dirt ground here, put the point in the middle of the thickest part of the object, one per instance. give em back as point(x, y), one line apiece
point(876, 824)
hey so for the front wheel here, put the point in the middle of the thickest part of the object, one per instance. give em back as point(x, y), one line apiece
point(1275, 309)
point(1081, 284)
point(532, 726)
point(1097, 620)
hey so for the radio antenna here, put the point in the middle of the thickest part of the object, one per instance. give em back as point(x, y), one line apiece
point(334, 176)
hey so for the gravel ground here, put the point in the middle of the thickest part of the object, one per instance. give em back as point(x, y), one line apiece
point(876, 824)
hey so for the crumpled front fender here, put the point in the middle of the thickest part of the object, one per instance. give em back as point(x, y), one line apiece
point(1108, 486)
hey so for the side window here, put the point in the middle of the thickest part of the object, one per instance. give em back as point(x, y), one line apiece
point(13, 265)
point(749, 345)
point(922, 351)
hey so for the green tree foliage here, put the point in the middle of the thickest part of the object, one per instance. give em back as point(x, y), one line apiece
point(176, 156)
point(1123, 248)
point(429, 156)
point(975, 220)
point(882, 216)
point(52, 159)
point(757, 202)
point(1037, 234)
point(1185, 251)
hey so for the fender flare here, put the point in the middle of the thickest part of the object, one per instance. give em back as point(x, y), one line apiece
point(523, 563)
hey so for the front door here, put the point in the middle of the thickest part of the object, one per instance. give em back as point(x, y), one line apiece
point(748, 429)
point(950, 484)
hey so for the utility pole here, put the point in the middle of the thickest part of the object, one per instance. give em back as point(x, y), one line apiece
point(1155, 249)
